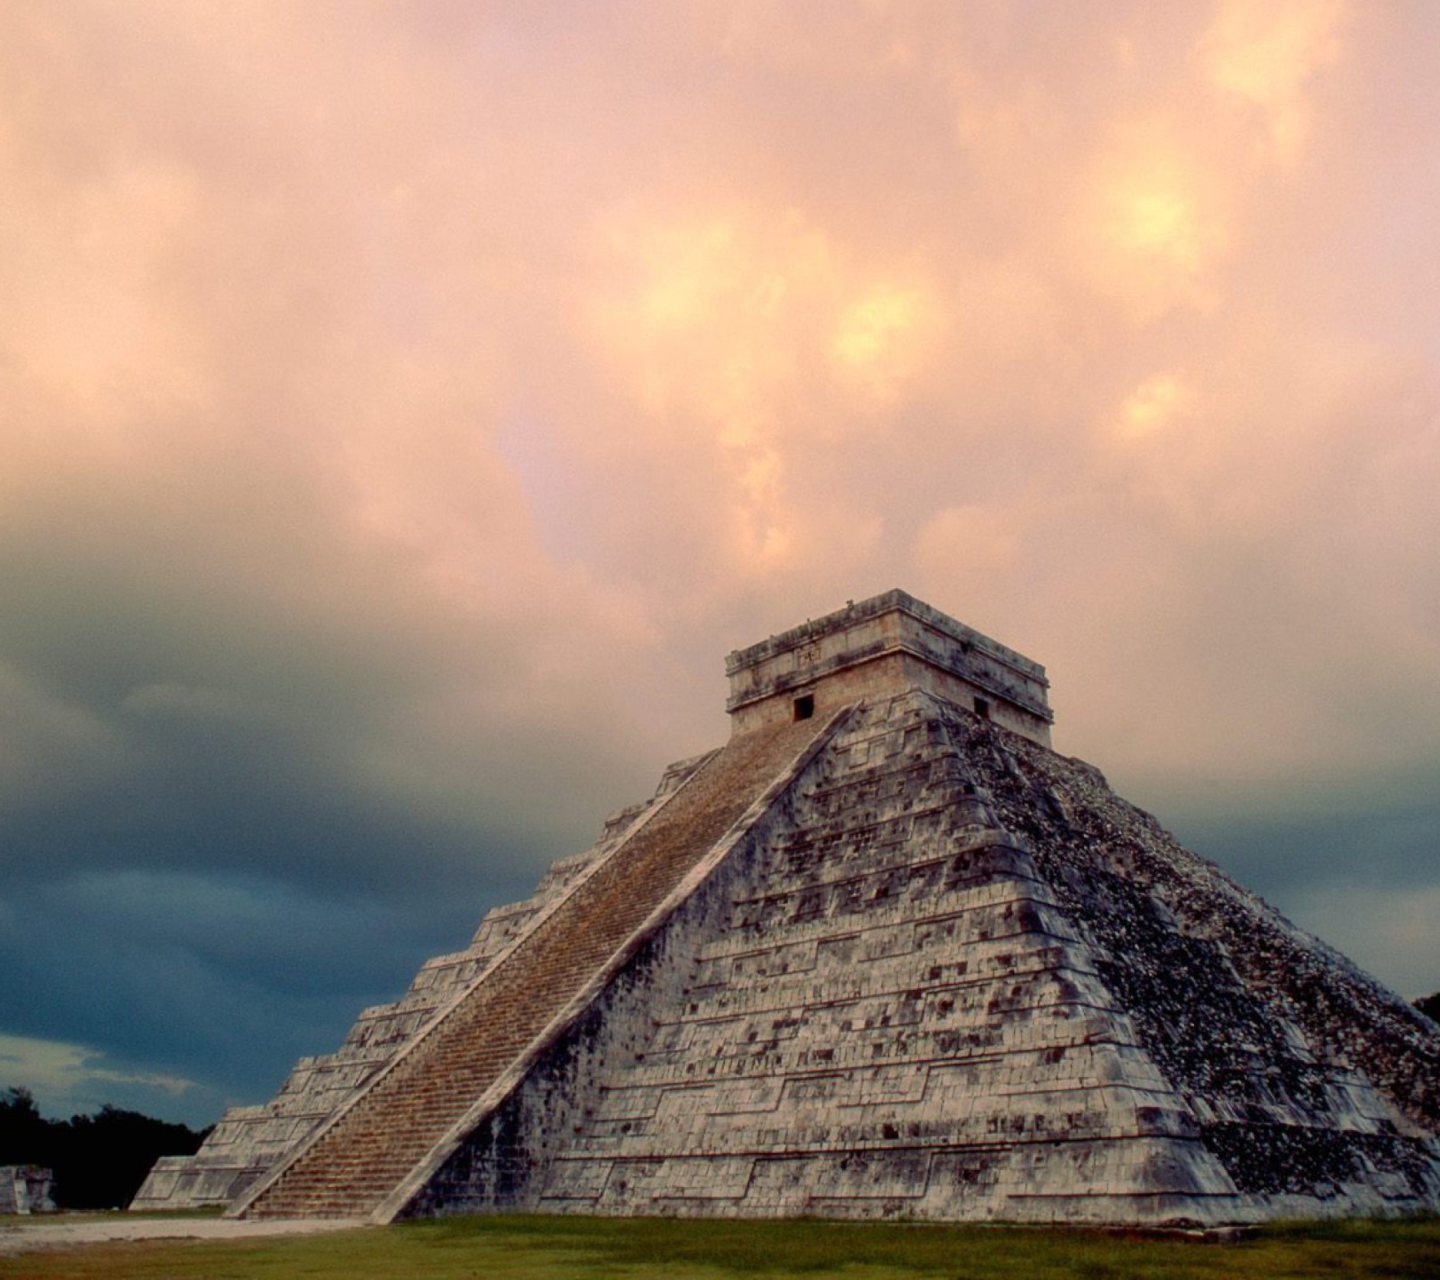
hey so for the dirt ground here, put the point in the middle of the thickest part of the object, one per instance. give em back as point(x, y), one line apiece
point(63, 1231)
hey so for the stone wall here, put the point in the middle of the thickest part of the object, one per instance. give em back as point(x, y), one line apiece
point(880, 647)
point(26, 1188)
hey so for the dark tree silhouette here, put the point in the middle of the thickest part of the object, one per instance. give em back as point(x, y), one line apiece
point(99, 1161)
point(24, 1134)
point(1430, 1006)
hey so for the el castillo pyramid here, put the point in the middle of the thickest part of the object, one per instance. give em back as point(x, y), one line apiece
point(884, 953)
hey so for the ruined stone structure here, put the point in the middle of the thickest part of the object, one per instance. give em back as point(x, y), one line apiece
point(26, 1188)
point(884, 953)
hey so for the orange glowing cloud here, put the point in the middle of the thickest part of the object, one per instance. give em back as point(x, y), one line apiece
point(884, 339)
point(1155, 222)
point(1152, 407)
point(760, 334)
point(1265, 55)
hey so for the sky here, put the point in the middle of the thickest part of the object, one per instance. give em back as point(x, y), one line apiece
point(405, 407)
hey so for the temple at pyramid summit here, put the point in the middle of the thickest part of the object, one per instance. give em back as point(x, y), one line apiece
point(885, 953)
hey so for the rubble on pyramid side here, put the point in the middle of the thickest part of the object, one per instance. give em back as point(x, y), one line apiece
point(249, 1140)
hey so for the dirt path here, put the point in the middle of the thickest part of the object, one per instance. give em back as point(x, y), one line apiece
point(25, 1236)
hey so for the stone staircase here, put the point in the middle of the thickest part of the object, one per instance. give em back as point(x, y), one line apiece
point(351, 1166)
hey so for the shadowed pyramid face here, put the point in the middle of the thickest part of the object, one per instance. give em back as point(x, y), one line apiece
point(884, 953)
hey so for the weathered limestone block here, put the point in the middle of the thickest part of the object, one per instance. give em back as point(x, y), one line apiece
point(26, 1188)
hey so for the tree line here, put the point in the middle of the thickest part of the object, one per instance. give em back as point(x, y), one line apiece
point(99, 1160)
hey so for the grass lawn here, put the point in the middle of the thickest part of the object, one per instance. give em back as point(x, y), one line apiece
point(534, 1248)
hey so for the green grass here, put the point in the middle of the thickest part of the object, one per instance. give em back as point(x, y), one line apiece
point(533, 1248)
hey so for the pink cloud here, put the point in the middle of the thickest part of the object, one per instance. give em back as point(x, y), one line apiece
point(464, 380)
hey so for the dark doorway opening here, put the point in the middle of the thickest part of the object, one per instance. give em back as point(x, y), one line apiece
point(805, 706)
point(982, 708)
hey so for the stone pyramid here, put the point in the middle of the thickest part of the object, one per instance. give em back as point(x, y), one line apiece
point(885, 953)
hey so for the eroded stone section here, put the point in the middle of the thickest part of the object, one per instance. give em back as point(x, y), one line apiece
point(1314, 1086)
point(26, 1188)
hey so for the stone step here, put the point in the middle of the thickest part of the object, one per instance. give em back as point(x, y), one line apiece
point(352, 1166)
